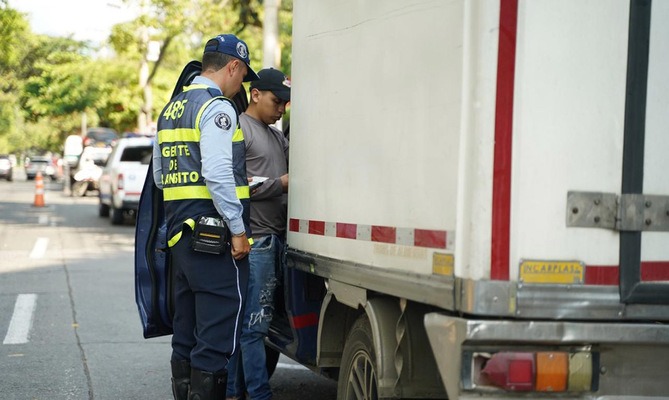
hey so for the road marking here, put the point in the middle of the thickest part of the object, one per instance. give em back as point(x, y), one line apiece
point(22, 319)
point(39, 248)
point(43, 219)
point(290, 366)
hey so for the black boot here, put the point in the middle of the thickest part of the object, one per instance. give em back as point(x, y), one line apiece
point(207, 385)
point(180, 379)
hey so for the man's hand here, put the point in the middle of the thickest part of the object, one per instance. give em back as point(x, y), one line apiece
point(240, 246)
point(284, 182)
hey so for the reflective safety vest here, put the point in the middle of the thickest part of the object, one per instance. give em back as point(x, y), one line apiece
point(184, 190)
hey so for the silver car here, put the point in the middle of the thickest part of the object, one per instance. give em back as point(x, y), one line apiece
point(5, 167)
point(36, 164)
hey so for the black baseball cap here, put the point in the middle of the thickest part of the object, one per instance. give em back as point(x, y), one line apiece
point(233, 46)
point(275, 81)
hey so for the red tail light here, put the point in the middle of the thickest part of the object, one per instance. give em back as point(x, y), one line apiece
point(511, 370)
point(120, 182)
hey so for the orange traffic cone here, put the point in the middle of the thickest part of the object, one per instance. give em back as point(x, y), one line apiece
point(39, 191)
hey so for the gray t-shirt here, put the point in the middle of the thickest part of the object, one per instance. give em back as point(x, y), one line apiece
point(266, 155)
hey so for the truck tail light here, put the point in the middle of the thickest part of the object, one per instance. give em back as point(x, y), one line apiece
point(552, 371)
point(119, 185)
point(511, 371)
point(531, 371)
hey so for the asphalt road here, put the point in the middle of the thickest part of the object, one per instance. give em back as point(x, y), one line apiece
point(68, 318)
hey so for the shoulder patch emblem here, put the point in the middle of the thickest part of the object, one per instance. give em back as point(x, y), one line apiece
point(223, 121)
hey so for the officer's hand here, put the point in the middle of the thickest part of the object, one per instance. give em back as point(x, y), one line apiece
point(240, 246)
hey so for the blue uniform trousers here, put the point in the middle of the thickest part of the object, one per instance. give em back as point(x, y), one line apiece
point(209, 293)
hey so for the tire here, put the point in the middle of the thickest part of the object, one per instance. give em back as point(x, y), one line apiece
point(103, 210)
point(79, 189)
point(357, 375)
point(271, 360)
point(116, 216)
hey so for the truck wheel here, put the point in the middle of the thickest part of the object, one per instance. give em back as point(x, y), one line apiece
point(116, 216)
point(357, 375)
point(103, 210)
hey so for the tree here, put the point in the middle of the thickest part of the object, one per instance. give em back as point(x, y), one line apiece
point(14, 39)
point(48, 83)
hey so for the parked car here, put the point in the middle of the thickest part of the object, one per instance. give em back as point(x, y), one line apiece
point(123, 177)
point(100, 137)
point(5, 167)
point(42, 164)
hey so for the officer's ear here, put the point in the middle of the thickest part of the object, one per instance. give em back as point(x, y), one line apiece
point(231, 67)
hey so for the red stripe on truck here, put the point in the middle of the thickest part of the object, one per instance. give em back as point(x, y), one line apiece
point(651, 271)
point(383, 234)
point(501, 201)
point(317, 227)
point(294, 225)
point(430, 238)
point(304, 320)
point(347, 231)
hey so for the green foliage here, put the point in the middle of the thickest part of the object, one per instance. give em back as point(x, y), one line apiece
point(48, 84)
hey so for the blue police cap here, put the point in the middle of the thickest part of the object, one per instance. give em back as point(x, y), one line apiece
point(233, 46)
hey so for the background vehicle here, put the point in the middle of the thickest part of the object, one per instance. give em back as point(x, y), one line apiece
point(5, 167)
point(42, 164)
point(86, 175)
point(100, 137)
point(123, 177)
point(72, 150)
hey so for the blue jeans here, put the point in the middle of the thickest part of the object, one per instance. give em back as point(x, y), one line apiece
point(247, 371)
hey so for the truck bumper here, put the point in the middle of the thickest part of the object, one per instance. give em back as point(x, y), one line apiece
point(632, 356)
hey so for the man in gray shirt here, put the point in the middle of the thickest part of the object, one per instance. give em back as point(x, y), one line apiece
point(266, 157)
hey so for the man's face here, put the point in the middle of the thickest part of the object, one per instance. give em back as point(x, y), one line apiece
point(269, 107)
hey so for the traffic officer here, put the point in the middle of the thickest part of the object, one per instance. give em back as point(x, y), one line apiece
point(199, 163)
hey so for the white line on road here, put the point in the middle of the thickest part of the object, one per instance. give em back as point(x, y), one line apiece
point(43, 219)
point(39, 248)
point(22, 319)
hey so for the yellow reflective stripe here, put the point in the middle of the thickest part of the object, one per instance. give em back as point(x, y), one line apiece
point(243, 192)
point(199, 192)
point(251, 241)
point(196, 86)
point(186, 193)
point(238, 136)
point(190, 222)
point(175, 239)
point(178, 135)
point(199, 113)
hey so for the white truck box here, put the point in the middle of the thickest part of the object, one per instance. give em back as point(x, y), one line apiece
point(482, 182)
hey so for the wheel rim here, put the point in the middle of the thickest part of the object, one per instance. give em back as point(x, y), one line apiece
point(361, 379)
